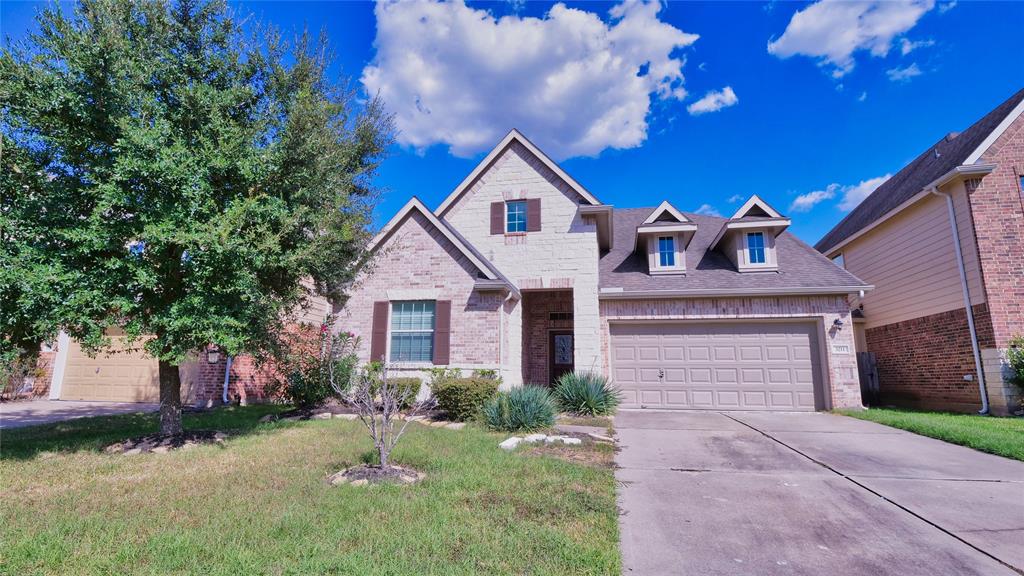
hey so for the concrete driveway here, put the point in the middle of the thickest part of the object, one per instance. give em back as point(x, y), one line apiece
point(33, 412)
point(785, 493)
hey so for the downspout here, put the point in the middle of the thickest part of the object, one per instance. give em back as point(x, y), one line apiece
point(967, 299)
point(227, 379)
point(501, 334)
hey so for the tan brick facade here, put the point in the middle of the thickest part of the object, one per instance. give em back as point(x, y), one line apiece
point(543, 312)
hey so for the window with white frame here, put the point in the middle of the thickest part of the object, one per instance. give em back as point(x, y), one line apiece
point(412, 331)
point(839, 261)
point(666, 251)
point(515, 216)
point(755, 248)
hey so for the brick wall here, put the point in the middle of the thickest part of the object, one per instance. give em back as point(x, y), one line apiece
point(418, 263)
point(844, 384)
point(537, 310)
point(563, 254)
point(922, 362)
point(997, 207)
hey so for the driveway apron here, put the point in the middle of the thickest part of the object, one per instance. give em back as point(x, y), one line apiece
point(788, 493)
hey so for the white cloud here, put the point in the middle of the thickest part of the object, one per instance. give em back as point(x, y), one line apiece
point(863, 96)
point(833, 31)
point(853, 195)
point(805, 202)
point(946, 7)
point(713, 101)
point(736, 198)
point(907, 46)
point(903, 74)
point(707, 209)
point(570, 81)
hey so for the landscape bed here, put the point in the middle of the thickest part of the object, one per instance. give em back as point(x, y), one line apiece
point(258, 503)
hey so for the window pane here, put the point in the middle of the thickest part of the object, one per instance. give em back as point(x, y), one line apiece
point(515, 216)
point(755, 247)
point(667, 251)
point(412, 331)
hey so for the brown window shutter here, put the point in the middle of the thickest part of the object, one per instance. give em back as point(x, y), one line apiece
point(533, 215)
point(379, 336)
point(442, 332)
point(497, 217)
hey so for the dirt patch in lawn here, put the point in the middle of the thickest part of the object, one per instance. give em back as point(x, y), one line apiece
point(163, 443)
point(589, 452)
point(369, 474)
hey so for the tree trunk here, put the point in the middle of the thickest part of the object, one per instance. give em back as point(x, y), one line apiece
point(170, 399)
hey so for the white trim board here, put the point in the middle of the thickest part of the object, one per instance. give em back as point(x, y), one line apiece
point(497, 150)
point(995, 134)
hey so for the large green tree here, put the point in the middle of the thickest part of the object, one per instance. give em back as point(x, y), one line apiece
point(169, 172)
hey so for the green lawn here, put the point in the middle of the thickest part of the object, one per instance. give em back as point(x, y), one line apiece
point(1002, 436)
point(260, 505)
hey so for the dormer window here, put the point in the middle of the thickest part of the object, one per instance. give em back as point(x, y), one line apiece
point(515, 216)
point(755, 248)
point(666, 251)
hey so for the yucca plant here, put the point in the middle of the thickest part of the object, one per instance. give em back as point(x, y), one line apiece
point(526, 408)
point(586, 393)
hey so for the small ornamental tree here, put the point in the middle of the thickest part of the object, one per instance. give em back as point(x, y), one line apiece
point(167, 174)
point(379, 401)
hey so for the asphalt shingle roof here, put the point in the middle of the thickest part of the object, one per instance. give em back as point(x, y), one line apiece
point(948, 153)
point(800, 266)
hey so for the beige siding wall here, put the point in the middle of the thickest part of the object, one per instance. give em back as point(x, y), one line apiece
point(910, 260)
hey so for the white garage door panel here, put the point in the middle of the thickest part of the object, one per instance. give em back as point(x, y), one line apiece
point(741, 366)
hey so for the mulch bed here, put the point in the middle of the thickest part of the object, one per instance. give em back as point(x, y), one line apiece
point(163, 443)
point(368, 474)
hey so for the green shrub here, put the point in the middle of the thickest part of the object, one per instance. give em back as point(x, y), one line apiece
point(408, 388)
point(1015, 358)
point(462, 398)
point(586, 393)
point(526, 408)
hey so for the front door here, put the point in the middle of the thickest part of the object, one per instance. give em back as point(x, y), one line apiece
point(560, 354)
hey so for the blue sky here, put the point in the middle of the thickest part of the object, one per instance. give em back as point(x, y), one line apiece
point(824, 100)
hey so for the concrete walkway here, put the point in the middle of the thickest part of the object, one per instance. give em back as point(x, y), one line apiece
point(33, 412)
point(784, 493)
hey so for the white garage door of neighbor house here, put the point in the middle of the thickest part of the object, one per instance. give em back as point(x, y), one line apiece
point(119, 376)
point(726, 366)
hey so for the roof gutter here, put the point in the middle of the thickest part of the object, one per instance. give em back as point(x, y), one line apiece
point(964, 171)
point(619, 293)
point(967, 297)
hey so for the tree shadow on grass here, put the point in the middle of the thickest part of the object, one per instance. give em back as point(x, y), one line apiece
point(96, 433)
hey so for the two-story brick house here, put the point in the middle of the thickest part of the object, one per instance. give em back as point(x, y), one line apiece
point(523, 271)
point(945, 234)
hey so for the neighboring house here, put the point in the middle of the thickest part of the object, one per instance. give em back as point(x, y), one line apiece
point(129, 375)
point(523, 271)
point(943, 235)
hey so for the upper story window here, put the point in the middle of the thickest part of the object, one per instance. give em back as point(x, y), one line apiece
point(666, 251)
point(412, 331)
point(515, 216)
point(839, 261)
point(755, 248)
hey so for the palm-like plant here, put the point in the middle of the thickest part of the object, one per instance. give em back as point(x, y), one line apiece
point(586, 393)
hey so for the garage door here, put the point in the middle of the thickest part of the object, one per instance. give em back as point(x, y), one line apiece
point(741, 366)
point(121, 376)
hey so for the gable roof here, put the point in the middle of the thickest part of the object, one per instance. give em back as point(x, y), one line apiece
point(951, 151)
point(513, 135)
point(763, 210)
point(414, 204)
point(664, 208)
point(801, 269)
